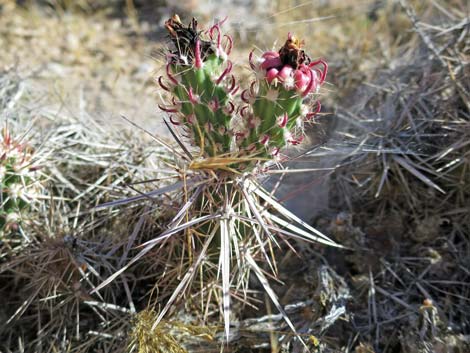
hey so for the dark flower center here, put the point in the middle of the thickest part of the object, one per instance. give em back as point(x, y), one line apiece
point(184, 40)
point(292, 53)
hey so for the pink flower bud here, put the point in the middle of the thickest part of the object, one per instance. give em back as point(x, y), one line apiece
point(285, 72)
point(301, 80)
point(312, 82)
point(271, 75)
point(271, 59)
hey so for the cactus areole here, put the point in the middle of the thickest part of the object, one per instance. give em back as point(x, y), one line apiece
point(238, 132)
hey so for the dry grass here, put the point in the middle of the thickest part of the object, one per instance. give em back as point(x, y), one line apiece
point(403, 188)
point(398, 194)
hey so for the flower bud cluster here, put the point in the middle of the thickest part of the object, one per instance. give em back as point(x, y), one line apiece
point(272, 111)
point(287, 82)
point(18, 181)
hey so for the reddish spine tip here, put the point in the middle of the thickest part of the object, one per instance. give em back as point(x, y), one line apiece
point(221, 22)
point(6, 137)
point(162, 85)
point(252, 88)
point(234, 91)
point(229, 44)
point(283, 120)
point(170, 75)
point(211, 34)
point(231, 86)
point(173, 121)
point(243, 111)
point(250, 60)
point(229, 108)
point(310, 115)
point(324, 71)
point(311, 83)
point(168, 110)
point(245, 96)
point(225, 72)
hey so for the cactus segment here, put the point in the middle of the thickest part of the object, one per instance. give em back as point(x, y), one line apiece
point(18, 184)
point(203, 88)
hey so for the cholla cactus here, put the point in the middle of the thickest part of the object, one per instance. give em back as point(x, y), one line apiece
point(231, 223)
point(238, 137)
point(18, 182)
